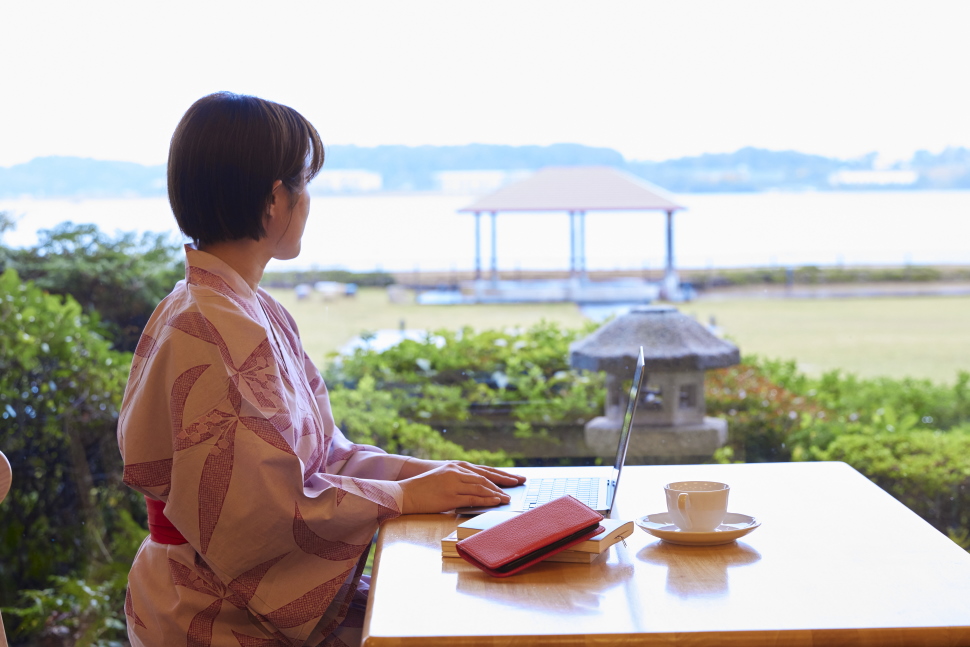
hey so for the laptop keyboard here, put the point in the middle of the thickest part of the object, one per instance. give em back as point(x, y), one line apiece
point(544, 490)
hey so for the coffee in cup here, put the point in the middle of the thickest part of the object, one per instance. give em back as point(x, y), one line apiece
point(697, 506)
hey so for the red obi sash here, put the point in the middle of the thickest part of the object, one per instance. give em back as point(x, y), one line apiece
point(161, 529)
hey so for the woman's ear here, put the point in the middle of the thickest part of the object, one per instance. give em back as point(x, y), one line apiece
point(278, 203)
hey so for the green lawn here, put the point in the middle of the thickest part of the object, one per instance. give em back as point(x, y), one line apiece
point(917, 336)
point(925, 337)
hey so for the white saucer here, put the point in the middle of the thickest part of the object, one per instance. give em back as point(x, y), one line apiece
point(734, 526)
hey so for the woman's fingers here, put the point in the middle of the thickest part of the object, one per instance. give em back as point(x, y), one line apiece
point(477, 485)
point(493, 474)
point(480, 502)
point(484, 490)
point(504, 478)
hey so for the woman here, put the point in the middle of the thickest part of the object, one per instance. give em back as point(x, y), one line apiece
point(261, 512)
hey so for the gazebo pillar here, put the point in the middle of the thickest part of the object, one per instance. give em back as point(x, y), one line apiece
point(494, 247)
point(582, 245)
point(478, 245)
point(671, 284)
point(572, 243)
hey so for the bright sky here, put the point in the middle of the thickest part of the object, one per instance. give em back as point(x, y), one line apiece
point(654, 80)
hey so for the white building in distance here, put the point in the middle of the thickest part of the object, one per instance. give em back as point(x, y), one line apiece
point(347, 181)
point(475, 182)
point(873, 178)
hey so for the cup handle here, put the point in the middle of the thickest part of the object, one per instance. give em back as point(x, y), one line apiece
point(683, 506)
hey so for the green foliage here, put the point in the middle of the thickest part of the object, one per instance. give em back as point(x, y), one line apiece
point(815, 275)
point(409, 395)
point(83, 611)
point(361, 279)
point(871, 401)
point(929, 471)
point(912, 437)
point(370, 416)
point(763, 416)
point(60, 389)
point(73, 612)
point(117, 281)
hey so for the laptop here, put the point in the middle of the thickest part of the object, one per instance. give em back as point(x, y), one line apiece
point(595, 486)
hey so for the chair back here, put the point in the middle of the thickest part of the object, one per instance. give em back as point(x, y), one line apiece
point(6, 475)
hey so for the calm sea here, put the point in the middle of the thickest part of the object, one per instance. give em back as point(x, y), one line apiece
point(425, 232)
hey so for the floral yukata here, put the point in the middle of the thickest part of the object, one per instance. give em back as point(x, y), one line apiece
point(227, 424)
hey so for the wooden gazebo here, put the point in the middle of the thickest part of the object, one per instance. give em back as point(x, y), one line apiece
point(575, 190)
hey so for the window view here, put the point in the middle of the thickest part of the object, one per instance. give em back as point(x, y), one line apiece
point(401, 269)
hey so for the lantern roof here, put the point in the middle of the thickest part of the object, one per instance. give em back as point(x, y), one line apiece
point(671, 341)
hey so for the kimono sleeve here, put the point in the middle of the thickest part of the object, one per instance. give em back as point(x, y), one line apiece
point(346, 457)
point(343, 456)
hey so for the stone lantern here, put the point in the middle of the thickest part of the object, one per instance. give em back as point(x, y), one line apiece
point(670, 424)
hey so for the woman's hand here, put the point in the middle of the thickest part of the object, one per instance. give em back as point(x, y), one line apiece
point(452, 485)
point(416, 466)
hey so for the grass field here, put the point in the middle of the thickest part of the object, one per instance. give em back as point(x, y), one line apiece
point(927, 337)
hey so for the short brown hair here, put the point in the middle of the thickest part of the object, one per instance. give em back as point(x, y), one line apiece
point(225, 155)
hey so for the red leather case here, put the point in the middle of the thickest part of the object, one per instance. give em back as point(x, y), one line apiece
point(523, 538)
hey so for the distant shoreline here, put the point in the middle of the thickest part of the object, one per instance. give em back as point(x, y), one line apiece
point(424, 232)
point(480, 169)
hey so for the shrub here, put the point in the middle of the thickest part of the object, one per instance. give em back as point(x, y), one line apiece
point(814, 275)
point(911, 437)
point(292, 278)
point(763, 416)
point(117, 281)
point(83, 611)
point(60, 389)
point(520, 379)
point(371, 416)
point(928, 471)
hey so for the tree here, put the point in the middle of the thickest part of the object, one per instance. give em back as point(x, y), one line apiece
point(60, 390)
point(116, 281)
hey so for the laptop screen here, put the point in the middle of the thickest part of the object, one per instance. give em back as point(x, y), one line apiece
point(639, 378)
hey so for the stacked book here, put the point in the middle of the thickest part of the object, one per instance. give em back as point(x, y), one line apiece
point(583, 553)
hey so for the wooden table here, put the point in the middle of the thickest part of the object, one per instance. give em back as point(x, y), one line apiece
point(837, 561)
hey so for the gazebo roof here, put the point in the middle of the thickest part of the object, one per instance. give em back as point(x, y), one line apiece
point(576, 188)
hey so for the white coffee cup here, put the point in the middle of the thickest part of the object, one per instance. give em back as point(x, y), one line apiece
point(697, 506)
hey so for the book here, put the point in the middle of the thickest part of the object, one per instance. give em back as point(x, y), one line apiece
point(568, 556)
point(614, 530)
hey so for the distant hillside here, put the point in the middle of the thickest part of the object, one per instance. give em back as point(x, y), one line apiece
point(55, 177)
point(757, 169)
point(407, 168)
point(749, 169)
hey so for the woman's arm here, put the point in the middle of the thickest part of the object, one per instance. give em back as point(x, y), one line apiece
point(416, 466)
point(427, 486)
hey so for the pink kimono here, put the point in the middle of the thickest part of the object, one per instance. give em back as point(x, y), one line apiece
point(227, 422)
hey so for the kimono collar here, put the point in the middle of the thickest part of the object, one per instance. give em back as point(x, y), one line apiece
point(209, 271)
